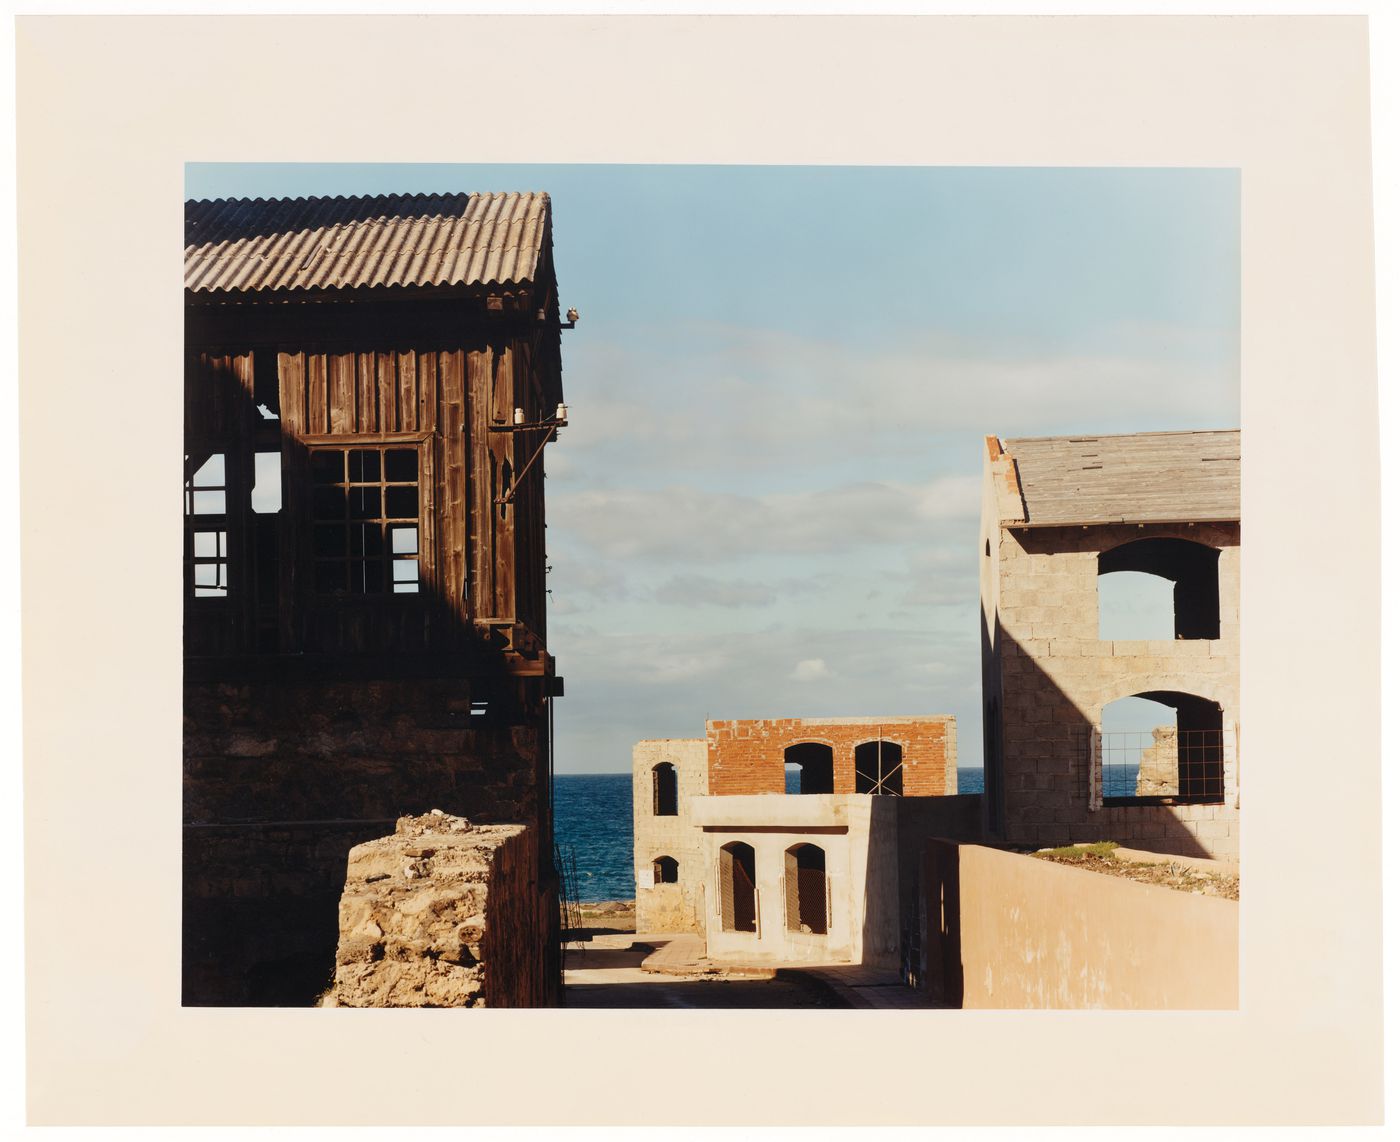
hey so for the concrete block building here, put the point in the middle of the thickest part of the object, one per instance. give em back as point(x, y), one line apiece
point(667, 776)
point(1058, 515)
point(795, 840)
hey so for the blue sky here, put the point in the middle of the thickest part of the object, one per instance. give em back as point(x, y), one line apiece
point(766, 502)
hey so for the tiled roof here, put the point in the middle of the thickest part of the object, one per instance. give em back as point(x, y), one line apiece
point(244, 245)
point(1145, 477)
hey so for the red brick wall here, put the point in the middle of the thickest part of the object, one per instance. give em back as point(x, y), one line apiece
point(747, 756)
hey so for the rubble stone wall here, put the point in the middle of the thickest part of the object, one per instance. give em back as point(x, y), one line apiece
point(282, 779)
point(443, 913)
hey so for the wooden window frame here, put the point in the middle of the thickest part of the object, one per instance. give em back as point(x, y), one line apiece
point(386, 558)
point(215, 523)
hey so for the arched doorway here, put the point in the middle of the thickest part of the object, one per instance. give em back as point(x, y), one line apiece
point(805, 889)
point(738, 896)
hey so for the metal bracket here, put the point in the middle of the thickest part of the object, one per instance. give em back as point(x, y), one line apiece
point(552, 426)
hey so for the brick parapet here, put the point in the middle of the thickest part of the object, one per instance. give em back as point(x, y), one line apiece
point(747, 756)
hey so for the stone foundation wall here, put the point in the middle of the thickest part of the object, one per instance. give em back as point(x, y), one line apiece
point(443, 914)
point(282, 779)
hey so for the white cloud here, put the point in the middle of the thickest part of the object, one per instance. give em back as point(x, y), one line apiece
point(693, 525)
point(693, 590)
point(810, 670)
point(622, 688)
point(753, 400)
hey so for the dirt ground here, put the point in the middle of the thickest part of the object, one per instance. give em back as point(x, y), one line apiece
point(1169, 874)
point(603, 969)
point(614, 915)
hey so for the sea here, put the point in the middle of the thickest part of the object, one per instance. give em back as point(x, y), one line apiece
point(593, 828)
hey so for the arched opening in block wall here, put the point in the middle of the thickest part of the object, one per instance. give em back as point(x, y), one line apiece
point(805, 886)
point(1159, 589)
point(738, 895)
point(808, 767)
point(665, 870)
point(1161, 746)
point(880, 769)
point(664, 800)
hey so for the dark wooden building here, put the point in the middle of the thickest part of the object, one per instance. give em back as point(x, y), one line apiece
point(370, 384)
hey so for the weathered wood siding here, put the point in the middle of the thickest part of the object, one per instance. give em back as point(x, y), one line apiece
point(479, 559)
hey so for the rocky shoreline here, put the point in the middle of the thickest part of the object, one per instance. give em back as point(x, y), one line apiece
point(618, 915)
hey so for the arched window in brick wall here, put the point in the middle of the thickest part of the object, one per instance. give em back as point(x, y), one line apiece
point(665, 870)
point(1159, 588)
point(807, 903)
point(664, 801)
point(880, 769)
point(809, 766)
point(1161, 747)
point(738, 893)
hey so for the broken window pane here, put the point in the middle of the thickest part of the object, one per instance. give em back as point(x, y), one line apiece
point(209, 503)
point(210, 543)
point(267, 482)
point(210, 474)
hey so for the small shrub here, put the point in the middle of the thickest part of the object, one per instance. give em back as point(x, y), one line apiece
point(1102, 849)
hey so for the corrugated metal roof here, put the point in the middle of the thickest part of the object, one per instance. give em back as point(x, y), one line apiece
point(244, 245)
point(1145, 477)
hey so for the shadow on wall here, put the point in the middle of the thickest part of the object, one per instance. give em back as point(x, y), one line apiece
point(892, 927)
point(1038, 745)
point(943, 979)
point(333, 677)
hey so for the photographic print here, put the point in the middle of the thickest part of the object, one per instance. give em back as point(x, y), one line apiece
point(699, 541)
point(889, 548)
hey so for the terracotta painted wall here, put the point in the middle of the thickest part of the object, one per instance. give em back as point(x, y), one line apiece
point(1011, 931)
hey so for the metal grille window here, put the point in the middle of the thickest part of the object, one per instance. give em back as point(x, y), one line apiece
point(1162, 763)
point(206, 527)
point(738, 897)
point(805, 889)
point(880, 769)
point(1161, 747)
point(365, 520)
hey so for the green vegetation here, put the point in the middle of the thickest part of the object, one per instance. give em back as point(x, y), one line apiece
point(1102, 849)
